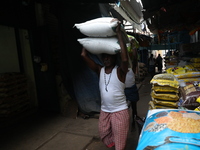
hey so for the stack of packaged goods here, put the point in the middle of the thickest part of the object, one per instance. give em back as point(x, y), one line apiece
point(187, 73)
point(171, 61)
point(189, 79)
point(143, 71)
point(195, 62)
point(165, 92)
point(14, 97)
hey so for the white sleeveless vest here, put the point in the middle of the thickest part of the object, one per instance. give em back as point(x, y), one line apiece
point(130, 78)
point(113, 99)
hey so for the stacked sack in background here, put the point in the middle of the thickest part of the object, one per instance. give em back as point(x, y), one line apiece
point(195, 62)
point(165, 92)
point(171, 61)
point(142, 70)
point(101, 35)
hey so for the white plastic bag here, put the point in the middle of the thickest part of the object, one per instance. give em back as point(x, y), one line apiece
point(108, 45)
point(99, 27)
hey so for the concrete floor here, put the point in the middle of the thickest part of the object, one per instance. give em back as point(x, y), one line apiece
point(50, 131)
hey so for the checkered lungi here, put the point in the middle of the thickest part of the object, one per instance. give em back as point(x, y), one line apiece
point(113, 128)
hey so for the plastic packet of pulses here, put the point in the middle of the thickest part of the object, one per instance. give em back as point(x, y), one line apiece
point(165, 79)
point(190, 74)
point(170, 129)
point(157, 88)
point(173, 104)
point(153, 105)
point(196, 60)
point(165, 96)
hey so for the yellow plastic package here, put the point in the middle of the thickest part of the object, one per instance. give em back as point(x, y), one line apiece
point(188, 74)
point(165, 96)
point(165, 79)
point(165, 103)
point(158, 88)
point(189, 67)
point(176, 70)
point(186, 80)
point(195, 60)
point(154, 106)
point(196, 65)
point(198, 100)
point(197, 109)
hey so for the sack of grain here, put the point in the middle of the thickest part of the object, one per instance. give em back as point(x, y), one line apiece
point(96, 45)
point(99, 27)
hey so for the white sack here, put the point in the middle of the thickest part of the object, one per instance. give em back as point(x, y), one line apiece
point(100, 27)
point(109, 45)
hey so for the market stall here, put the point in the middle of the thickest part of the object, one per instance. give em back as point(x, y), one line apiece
point(173, 119)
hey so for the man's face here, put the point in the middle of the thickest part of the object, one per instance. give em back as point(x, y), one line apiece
point(108, 60)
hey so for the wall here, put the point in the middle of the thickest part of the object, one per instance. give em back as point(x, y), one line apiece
point(9, 58)
point(28, 65)
point(8, 50)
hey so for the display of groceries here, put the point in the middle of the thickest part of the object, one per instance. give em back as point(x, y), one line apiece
point(170, 129)
point(178, 88)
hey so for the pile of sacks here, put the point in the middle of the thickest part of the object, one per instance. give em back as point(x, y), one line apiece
point(189, 80)
point(187, 73)
point(171, 61)
point(142, 72)
point(195, 62)
point(101, 35)
point(165, 92)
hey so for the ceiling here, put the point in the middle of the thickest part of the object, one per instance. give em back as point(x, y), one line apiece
point(159, 15)
point(171, 14)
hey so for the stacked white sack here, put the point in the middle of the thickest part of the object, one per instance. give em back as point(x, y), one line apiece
point(107, 45)
point(101, 35)
point(100, 27)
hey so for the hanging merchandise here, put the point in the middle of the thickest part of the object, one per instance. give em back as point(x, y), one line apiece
point(134, 41)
